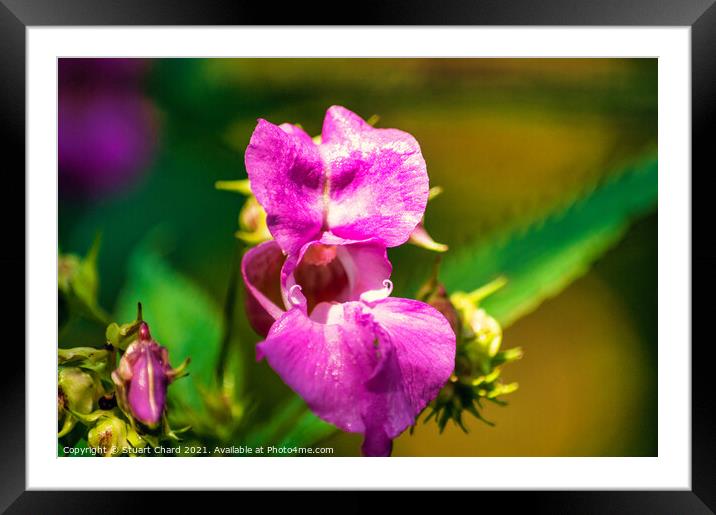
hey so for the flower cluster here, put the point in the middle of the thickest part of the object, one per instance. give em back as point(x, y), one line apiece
point(319, 291)
point(479, 359)
point(121, 403)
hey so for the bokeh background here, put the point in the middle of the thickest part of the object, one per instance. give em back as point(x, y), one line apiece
point(142, 143)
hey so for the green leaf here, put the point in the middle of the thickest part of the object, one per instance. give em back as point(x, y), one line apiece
point(541, 260)
point(307, 430)
point(181, 317)
point(283, 416)
point(291, 425)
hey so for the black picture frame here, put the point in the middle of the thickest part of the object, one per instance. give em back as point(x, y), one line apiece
point(17, 15)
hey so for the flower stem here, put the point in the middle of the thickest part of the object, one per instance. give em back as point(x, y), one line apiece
point(229, 305)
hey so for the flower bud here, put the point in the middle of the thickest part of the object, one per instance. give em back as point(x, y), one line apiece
point(252, 223)
point(77, 392)
point(142, 378)
point(109, 436)
point(433, 292)
point(478, 359)
point(78, 389)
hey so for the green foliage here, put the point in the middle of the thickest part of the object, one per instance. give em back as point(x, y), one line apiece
point(307, 430)
point(544, 258)
point(182, 317)
point(291, 425)
point(77, 284)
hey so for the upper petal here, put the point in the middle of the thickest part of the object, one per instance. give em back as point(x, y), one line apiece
point(378, 183)
point(261, 270)
point(287, 178)
point(326, 364)
point(423, 344)
point(297, 131)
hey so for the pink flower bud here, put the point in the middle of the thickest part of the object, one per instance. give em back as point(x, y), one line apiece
point(142, 378)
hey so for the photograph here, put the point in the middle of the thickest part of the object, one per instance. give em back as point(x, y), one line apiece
point(357, 257)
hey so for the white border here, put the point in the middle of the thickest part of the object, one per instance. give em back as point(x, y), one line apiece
point(671, 470)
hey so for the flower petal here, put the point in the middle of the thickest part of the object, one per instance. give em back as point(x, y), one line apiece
point(298, 132)
point(424, 347)
point(386, 410)
point(147, 389)
point(326, 364)
point(378, 183)
point(364, 369)
point(366, 264)
point(287, 178)
point(334, 269)
point(261, 269)
point(376, 443)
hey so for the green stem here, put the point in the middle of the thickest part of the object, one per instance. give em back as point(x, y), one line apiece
point(229, 305)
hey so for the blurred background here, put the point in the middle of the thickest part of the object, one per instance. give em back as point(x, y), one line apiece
point(142, 142)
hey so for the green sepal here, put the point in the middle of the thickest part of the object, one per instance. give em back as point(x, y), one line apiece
point(88, 358)
point(240, 186)
point(122, 336)
point(68, 425)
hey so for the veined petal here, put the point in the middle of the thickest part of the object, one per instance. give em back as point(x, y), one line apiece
point(327, 364)
point(261, 270)
point(423, 345)
point(378, 183)
point(364, 369)
point(287, 177)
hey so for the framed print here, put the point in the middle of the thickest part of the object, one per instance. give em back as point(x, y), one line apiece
point(373, 257)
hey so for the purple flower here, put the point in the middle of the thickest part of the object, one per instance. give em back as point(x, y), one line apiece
point(319, 292)
point(142, 378)
point(358, 183)
point(107, 129)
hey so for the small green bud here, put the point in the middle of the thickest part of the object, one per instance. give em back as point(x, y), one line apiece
point(252, 217)
point(478, 358)
point(112, 436)
point(78, 389)
point(252, 223)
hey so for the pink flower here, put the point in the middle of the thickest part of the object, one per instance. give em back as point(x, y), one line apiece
point(358, 183)
point(319, 292)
